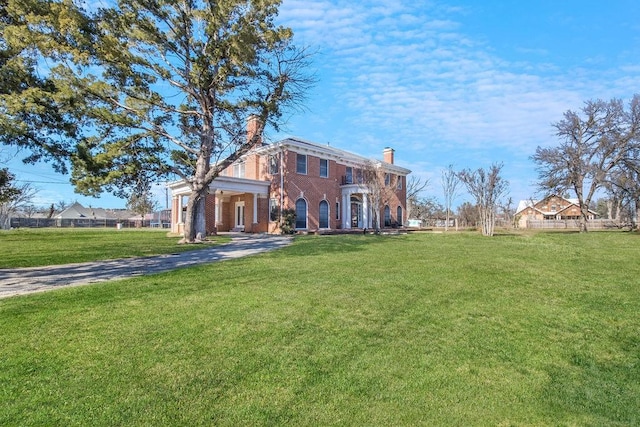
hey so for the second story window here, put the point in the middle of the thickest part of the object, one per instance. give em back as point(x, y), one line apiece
point(387, 179)
point(274, 164)
point(324, 168)
point(399, 183)
point(238, 170)
point(349, 175)
point(301, 164)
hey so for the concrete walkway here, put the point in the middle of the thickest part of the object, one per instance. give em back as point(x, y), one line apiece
point(17, 281)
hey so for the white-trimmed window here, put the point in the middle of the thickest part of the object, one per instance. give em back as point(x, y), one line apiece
point(399, 183)
point(324, 168)
point(323, 217)
point(387, 179)
point(301, 164)
point(387, 216)
point(338, 210)
point(238, 170)
point(301, 214)
point(348, 179)
point(274, 209)
point(274, 164)
point(399, 215)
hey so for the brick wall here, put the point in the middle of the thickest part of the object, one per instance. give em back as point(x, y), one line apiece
point(312, 188)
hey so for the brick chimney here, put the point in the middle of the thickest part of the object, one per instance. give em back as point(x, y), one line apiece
point(254, 126)
point(388, 155)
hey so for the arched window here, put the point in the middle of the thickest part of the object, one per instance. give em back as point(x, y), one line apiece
point(324, 214)
point(387, 216)
point(301, 213)
point(399, 216)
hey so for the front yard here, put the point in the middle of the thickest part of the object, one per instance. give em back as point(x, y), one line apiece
point(428, 329)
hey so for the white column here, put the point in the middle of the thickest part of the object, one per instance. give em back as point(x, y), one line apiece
point(255, 208)
point(346, 211)
point(180, 209)
point(219, 209)
point(365, 211)
point(216, 211)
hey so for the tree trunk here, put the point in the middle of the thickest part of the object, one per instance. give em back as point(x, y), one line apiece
point(195, 221)
point(584, 212)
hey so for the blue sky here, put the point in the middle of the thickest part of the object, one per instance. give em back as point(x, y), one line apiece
point(466, 83)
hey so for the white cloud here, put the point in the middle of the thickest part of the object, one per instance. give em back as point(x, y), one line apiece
point(407, 74)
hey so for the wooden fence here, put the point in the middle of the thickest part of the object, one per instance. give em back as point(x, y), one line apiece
point(570, 224)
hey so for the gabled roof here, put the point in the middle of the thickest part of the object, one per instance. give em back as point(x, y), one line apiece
point(530, 203)
point(77, 211)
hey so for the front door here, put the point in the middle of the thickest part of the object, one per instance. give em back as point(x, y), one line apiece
point(356, 215)
point(239, 222)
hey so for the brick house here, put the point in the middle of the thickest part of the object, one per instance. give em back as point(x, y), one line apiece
point(552, 207)
point(323, 184)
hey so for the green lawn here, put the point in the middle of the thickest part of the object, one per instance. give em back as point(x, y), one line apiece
point(49, 246)
point(430, 329)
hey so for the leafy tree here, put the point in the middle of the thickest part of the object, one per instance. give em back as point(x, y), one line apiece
point(142, 204)
point(487, 187)
point(592, 144)
point(450, 182)
point(160, 88)
point(37, 113)
point(288, 221)
point(8, 191)
point(51, 211)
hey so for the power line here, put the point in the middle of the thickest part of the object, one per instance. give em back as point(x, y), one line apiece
point(43, 182)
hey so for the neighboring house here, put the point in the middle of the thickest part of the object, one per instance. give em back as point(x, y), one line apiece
point(323, 184)
point(78, 212)
point(552, 207)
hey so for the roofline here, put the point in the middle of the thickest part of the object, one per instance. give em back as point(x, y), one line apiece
point(340, 156)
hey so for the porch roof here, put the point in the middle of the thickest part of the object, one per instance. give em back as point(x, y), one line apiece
point(224, 183)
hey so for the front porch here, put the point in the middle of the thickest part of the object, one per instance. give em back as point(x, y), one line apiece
point(356, 212)
point(232, 204)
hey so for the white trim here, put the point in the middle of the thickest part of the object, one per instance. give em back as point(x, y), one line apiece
point(238, 217)
point(228, 184)
point(320, 164)
point(306, 214)
point(302, 146)
point(306, 164)
point(328, 214)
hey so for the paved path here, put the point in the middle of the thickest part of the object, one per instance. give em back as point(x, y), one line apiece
point(17, 281)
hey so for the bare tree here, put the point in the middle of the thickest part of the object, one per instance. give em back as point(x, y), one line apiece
point(62, 205)
point(487, 187)
point(507, 210)
point(591, 146)
point(10, 205)
point(450, 182)
point(468, 215)
point(415, 186)
point(623, 189)
point(380, 189)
